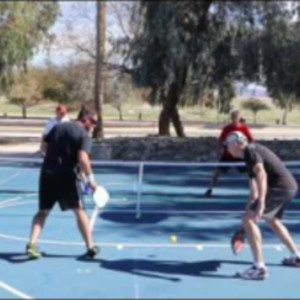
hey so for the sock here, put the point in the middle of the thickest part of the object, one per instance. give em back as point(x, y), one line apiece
point(259, 264)
point(296, 255)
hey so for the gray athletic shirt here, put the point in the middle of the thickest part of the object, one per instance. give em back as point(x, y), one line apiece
point(279, 177)
point(64, 141)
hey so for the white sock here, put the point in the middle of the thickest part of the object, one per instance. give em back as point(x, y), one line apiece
point(296, 255)
point(259, 264)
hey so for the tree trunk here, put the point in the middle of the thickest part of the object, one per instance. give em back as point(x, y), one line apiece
point(100, 54)
point(286, 109)
point(169, 112)
point(254, 117)
point(284, 116)
point(120, 113)
point(24, 111)
point(164, 122)
point(175, 118)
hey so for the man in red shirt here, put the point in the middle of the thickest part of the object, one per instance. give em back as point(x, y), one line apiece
point(235, 125)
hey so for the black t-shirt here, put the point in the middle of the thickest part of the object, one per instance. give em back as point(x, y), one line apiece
point(278, 175)
point(64, 142)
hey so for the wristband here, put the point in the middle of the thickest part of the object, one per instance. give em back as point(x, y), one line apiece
point(90, 178)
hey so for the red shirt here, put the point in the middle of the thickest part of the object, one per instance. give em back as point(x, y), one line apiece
point(235, 127)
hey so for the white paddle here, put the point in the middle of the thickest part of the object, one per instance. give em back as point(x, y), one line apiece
point(100, 198)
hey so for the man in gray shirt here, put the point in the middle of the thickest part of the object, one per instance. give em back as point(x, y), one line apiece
point(272, 187)
point(68, 146)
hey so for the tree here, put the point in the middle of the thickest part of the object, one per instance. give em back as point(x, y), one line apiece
point(183, 43)
point(69, 84)
point(26, 90)
point(80, 39)
point(23, 27)
point(255, 106)
point(225, 95)
point(118, 93)
point(279, 42)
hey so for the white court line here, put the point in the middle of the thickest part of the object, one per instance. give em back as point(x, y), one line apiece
point(16, 204)
point(153, 211)
point(11, 200)
point(167, 211)
point(198, 246)
point(10, 178)
point(14, 291)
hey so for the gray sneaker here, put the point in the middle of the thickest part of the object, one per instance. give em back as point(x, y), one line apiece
point(253, 273)
point(291, 261)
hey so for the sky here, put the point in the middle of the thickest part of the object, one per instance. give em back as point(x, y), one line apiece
point(81, 15)
point(60, 54)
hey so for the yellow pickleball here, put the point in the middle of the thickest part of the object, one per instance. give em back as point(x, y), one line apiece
point(173, 238)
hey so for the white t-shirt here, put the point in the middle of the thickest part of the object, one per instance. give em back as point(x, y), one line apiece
point(52, 122)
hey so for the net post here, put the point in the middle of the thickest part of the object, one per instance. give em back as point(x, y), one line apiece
point(140, 182)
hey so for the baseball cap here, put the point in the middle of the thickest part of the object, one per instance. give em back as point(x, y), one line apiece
point(62, 108)
point(235, 136)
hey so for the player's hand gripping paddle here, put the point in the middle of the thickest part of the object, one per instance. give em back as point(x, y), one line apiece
point(237, 241)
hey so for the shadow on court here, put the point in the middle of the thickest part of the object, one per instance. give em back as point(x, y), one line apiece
point(162, 269)
point(20, 257)
point(165, 269)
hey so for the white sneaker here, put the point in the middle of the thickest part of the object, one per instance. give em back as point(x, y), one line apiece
point(254, 273)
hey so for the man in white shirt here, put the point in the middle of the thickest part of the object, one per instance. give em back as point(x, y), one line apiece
point(61, 116)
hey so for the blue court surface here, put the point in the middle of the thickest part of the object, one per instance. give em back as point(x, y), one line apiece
point(149, 204)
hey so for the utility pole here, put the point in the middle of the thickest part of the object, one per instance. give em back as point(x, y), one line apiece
point(100, 56)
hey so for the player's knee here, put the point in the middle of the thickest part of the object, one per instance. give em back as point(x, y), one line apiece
point(272, 222)
point(78, 211)
point(43, 214)
point(246, 220)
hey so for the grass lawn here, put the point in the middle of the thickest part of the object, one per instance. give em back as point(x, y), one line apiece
point(132, 111)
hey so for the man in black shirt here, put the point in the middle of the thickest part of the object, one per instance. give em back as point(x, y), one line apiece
point(272, 187)
point(67, 154)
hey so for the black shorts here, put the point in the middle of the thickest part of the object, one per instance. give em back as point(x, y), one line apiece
point(276, 202)
point(62, 188)
point(229, 159)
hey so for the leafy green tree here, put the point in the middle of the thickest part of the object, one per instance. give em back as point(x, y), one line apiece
point(280, 41)
point(24, 26)
point(226, 94)
point(69, 84)
point(255, 106)
point(26, 90)
point(186, 42)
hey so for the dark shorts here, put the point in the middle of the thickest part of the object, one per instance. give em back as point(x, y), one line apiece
point(276, 202)
point(62, 188)
point(229, 159)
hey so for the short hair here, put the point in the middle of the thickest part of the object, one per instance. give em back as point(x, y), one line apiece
point(61, 108)
point(236, 136)
point(87, 114)
point(235, 113)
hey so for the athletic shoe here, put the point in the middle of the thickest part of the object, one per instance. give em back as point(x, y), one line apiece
point(291, 261)
point(91, 253)
point(32, 251)
point(254, 273)
point(208, 193)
